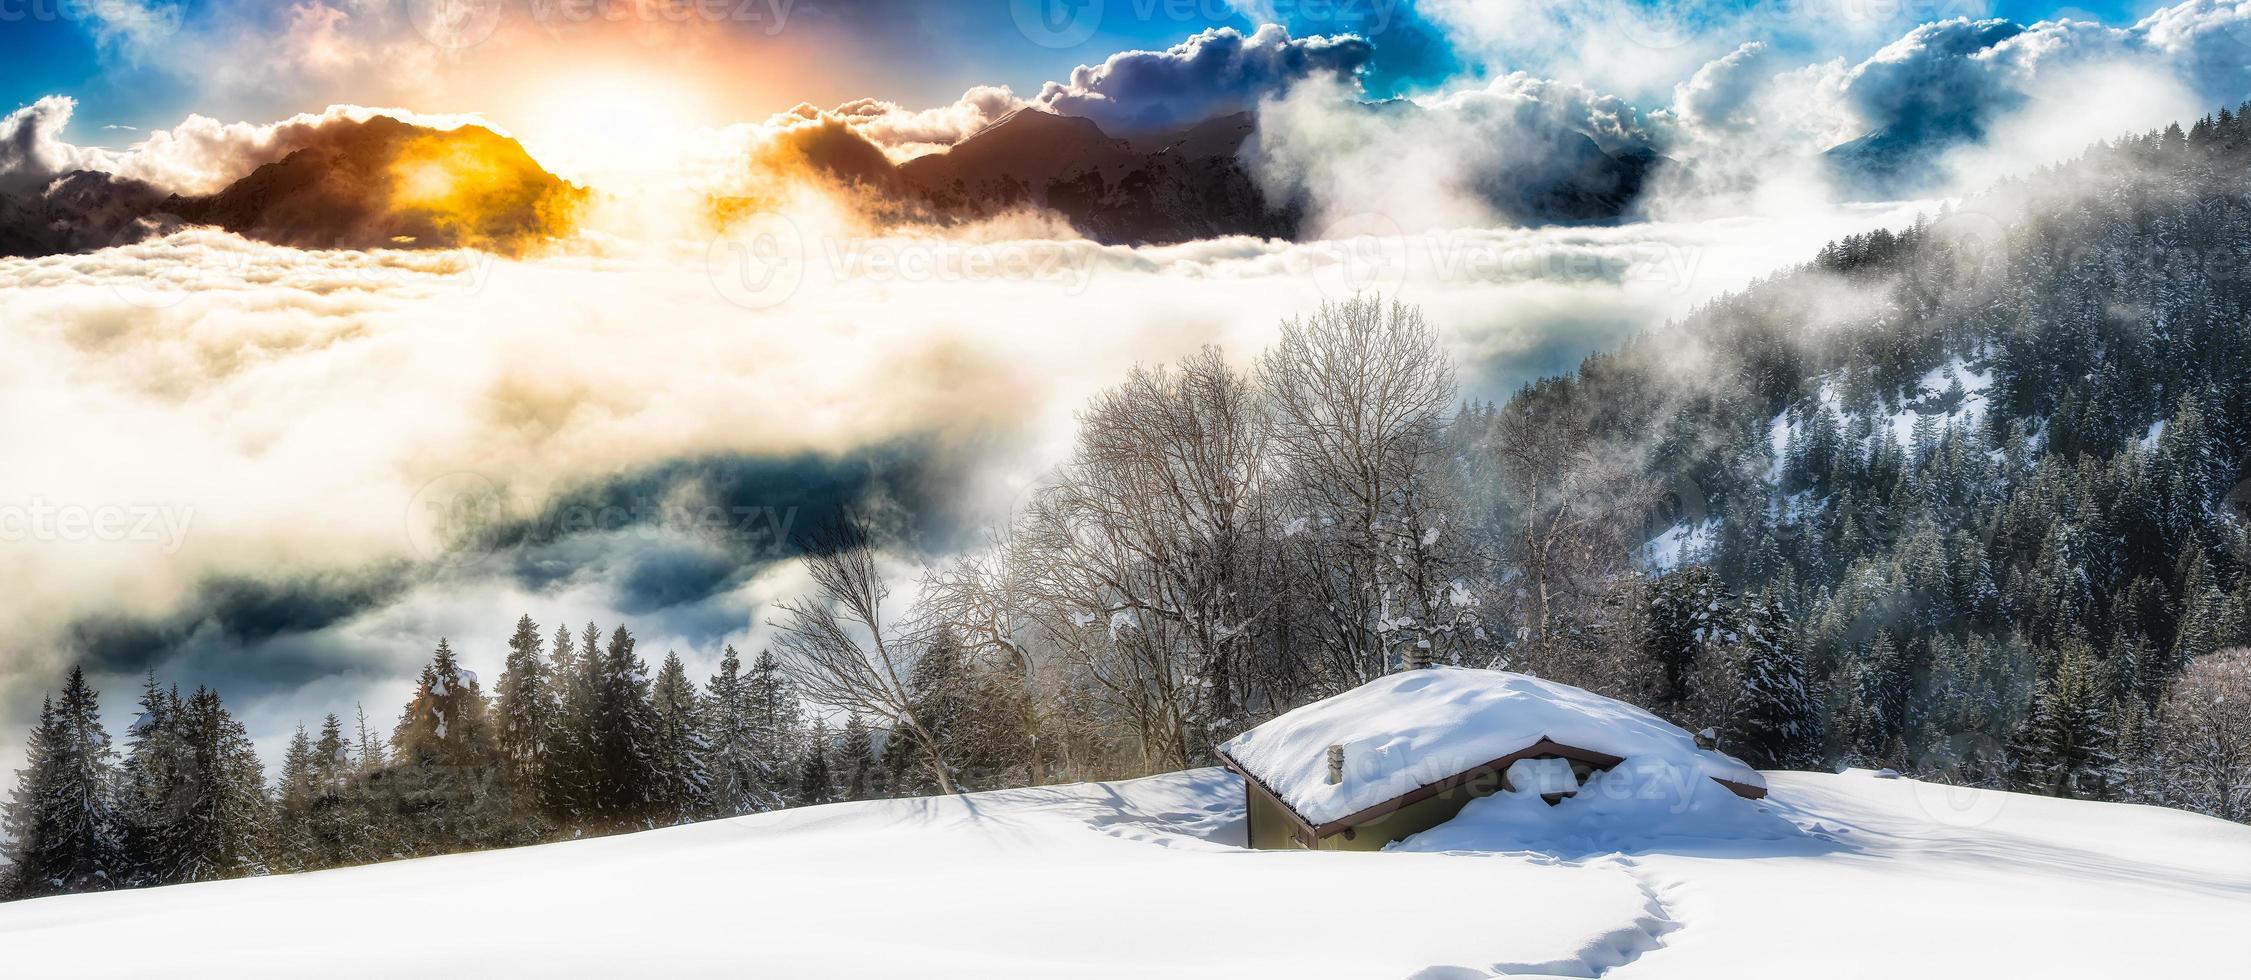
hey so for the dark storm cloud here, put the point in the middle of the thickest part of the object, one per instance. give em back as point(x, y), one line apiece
point(233, 612)
point(1209, 74)
point(1938, 81)
point(668, 541)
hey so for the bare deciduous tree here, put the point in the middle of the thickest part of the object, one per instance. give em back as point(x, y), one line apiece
point(2204, 760)
point(1147, 546)
point(1357, 394)
point(845, 654)
point(1573, 499)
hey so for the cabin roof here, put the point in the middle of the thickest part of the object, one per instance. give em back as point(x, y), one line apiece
point(1417, 728)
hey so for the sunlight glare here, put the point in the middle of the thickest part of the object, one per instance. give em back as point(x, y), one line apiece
point(613, 127)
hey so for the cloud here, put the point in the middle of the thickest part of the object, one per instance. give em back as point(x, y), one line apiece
point(32, 149)
point(201, 155)
point(1945, 79)
point(1212, 73)
point(629, 425)
point(1722, 95)
point(1517, 148)
point(906, 133)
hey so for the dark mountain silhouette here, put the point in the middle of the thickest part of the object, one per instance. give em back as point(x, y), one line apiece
point(1192, 183)
point(78, 211)
point(374, 183)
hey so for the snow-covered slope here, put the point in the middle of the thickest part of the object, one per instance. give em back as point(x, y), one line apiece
point(1832, 876)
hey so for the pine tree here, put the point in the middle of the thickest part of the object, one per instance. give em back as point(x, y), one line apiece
point(445, 772)
point(776, 722)
point(340, 815)
point(157, 762)
point(626, 787)
point(292, 846)
point(1688, 612)
point(21, 820)
point(373, 753)
point(1777, 721)
point(565, 773)
point(62, 821)
point(816, 781)
point(526, 708)
point(214, 818)
point(680, 745)
point(741, 781)
point(2065, 745)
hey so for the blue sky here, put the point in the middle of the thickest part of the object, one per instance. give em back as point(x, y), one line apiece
point(916, 53)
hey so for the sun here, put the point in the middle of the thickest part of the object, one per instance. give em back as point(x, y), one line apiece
point(612, 127)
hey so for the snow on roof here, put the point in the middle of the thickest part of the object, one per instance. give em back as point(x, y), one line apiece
point(1417, 727)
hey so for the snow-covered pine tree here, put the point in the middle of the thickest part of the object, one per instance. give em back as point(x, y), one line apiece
point(214, 818)
point(1777, 717)
point(1689, 611)
point(565, 770)
point(685, 783)
point(444, 775)
point(21, 816)
point(62, 821)
point(525, 708)
point(776, 720)
point(2065, 746)
point(337, 804)
point(156, 765)
point(626, 785)
point(740, 780)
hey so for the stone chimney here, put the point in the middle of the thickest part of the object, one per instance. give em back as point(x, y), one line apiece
point(1336, 764)
point(1417, 657)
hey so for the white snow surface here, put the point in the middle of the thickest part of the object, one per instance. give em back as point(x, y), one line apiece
point(1832, 876)
point(1927, 400)
point(1681, 541)
point(1414, 727)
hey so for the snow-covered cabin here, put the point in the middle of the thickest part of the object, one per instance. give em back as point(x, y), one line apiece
point(1404, 753)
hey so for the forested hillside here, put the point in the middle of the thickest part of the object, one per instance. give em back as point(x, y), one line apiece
point(1990, 465)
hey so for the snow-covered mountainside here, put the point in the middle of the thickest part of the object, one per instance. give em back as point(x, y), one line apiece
point(1835, 876)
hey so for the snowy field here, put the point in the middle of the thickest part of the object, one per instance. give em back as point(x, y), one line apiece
point(1833, 876)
